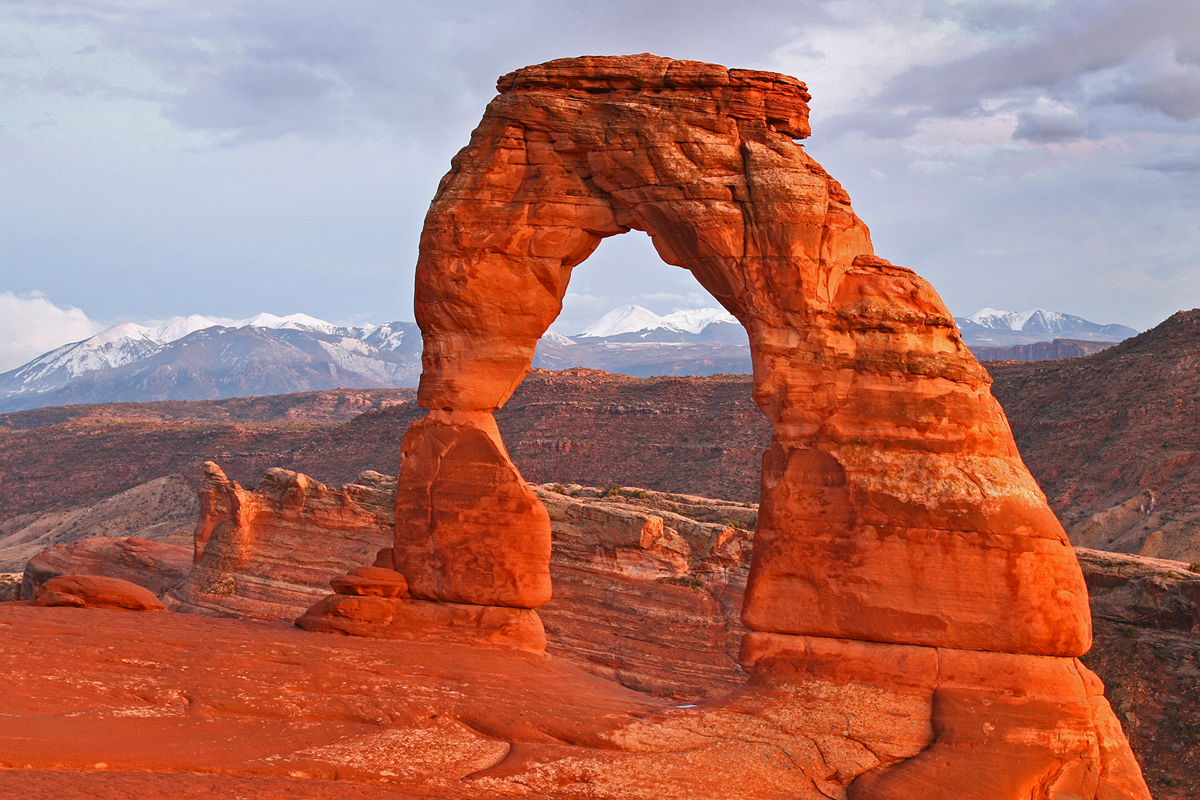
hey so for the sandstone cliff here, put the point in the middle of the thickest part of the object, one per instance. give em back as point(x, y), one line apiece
point(648, 585)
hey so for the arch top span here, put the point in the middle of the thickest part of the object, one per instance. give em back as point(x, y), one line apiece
point(780, 100)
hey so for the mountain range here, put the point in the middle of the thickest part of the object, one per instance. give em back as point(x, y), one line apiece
point(191, 358)
point(197, 358)
point(990, 327)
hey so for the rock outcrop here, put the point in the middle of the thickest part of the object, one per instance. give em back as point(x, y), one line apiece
point(1149, 593)
point(152, 565)
point(96, 591)
point(648, 586)
point(898, 524)
point(873, 396)
point(261, 553)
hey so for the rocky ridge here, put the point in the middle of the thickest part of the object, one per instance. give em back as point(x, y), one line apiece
point(1114, 439)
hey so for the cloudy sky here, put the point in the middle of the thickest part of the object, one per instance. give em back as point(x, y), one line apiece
point(226, 158)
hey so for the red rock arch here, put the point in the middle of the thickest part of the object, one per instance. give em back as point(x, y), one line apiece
point(895, 507)
point(902, 547)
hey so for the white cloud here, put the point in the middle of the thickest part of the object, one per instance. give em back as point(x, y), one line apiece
point(31, 325)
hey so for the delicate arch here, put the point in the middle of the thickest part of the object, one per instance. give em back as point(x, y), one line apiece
point(894, 505)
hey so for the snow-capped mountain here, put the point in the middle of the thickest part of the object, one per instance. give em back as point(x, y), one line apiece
point(196, 357)
point(114, 363)
point(626, 319)
point(633, 323)
point(696, 320)
point(994, 327)
point(635, 341)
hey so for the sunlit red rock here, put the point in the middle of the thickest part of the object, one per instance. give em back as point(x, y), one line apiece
point(914, 607)
point(96, 591)
point(895, 506)
point(157, 566)
point(266, 551)
point(895, 509)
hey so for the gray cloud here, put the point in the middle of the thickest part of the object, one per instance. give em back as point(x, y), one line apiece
point(1184, 162)
point(1049, 126)
point(1177, 96)
point(1064, 46)
point(254, 70)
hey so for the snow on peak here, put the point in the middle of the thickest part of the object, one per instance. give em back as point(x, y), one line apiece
point(122, 331)
point(292, 321)
point(631, 319)
point(694, 320)
point(555, 337)
point(179, 327)
point(626, 319)
point(1041, 319)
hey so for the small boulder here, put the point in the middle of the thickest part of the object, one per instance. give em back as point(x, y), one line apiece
point(95, 591)
point(60, 599)
point(371, 582)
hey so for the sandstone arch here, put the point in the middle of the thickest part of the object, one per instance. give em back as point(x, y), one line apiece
point(895, 506)
point(901, 548)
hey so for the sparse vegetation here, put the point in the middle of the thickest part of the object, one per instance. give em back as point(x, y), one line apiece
point(223, 586)
point(10, 585)
point(686, 581)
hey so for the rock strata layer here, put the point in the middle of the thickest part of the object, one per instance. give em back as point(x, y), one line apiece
point(648, 586)
point(260, 552)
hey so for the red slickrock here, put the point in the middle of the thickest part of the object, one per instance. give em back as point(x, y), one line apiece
point(371, 582)
point(96, 591)
point(406, 618)
point(153, 565)
point(468, 529)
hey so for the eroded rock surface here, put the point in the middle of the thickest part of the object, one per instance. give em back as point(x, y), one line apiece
point(887, 448)
point(648, 585)
point(261, 553)
point(648, 590)
point(153, 565)
point(95, 591)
